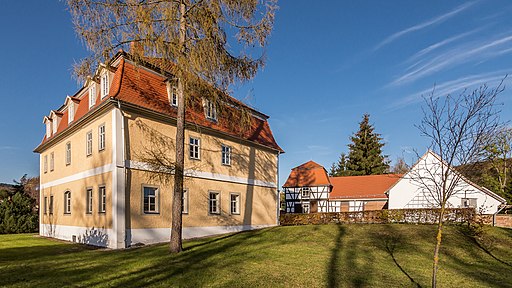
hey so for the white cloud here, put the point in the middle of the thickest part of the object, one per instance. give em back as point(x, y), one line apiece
point(433, 21)
point(453, 86)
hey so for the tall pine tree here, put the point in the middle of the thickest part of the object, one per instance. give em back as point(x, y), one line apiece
point(365, 152)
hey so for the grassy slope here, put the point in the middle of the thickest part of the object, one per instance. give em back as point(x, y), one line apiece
point(306, 256)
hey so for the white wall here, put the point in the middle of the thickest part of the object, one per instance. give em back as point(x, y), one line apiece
point(409, 192)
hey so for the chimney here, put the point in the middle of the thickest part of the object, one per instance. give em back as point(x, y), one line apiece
point(136, 48)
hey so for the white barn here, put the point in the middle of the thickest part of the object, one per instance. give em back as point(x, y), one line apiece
point(410, 191)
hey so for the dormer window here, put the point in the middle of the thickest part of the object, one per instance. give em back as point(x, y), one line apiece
point(104, 85)
point(54, 125)
point(210, 110)
point(172, 93)
point(48, 129)
point(92, 94)
point(71, 111)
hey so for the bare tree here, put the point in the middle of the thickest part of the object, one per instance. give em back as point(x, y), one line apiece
point(187, 40)
point(457, 127)
point(400, 166)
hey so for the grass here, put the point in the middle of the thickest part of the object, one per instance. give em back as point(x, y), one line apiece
point(390, 255)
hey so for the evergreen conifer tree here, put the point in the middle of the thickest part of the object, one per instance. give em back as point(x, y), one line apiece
point(365, 152)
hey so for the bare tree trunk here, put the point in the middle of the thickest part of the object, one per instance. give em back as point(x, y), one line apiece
point(177, 203)
point(438, 246)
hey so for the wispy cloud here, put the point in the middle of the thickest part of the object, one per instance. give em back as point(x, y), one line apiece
point(450, 87)
point(8, 148)
point(476, 51)
point(423, 25)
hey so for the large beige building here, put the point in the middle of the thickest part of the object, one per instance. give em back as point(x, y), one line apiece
point(98, 185)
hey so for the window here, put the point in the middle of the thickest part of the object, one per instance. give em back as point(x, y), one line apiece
point(50, 210)
point(468, 203)
point(104, 85)
point(150, 199)
point(214, 203)
point(88, 143)
point(71, 111)
point(102, 197)
point(184, 205)
point(226, 155)
point(88, 201)
point(211, 112)
point(172, 92)
point(355, 206)
point(67, 202)
point(48, 130)
point(45, 205)
point(45, 163)
point(101, 137)
point(54, 124)
point(52, 161)
point(92, 95)
point(305, 192)
point(68, 153)
point(235, 203)
point(305, 207)
point(194, 147)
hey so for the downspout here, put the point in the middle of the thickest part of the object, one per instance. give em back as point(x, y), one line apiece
point(278, 210)
point(494, 215)
point(123, 144)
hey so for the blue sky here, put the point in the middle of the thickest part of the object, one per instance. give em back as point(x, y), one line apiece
point(328, 63)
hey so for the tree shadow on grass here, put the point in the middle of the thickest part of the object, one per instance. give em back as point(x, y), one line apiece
point(390, 241)
point(333, 271)
point(482, 240)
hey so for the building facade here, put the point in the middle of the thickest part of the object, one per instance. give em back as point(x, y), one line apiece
point(99, 181)
point(309, 189)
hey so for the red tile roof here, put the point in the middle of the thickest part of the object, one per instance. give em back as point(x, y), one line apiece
point(143, 88)
point(307, 174)
point(362, 187)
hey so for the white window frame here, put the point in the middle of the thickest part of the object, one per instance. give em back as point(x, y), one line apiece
point(45, 163)
point(214, 203)
point(226, 155)
point(194, 147)
point(306, 208)
point(172, 93)
point(102, 199)
point(68, 153)
point(152, 199)
point(67, 202)
point(305, 192)
point(88, 200)
point(210, 110)
point(92, 94)
point(234, 203)
point(48, 129)
point(355, 206)
point(71, 111)
point(466, 202)
point(52, 161)
point(101, 137)
point(88, 143)
point(184, 207)
point(105, 85)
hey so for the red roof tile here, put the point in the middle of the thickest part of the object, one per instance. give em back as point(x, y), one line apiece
point(307, 174)
point(148, 90)
point(362, 187)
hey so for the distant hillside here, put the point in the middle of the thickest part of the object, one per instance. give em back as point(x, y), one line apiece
point(5, 186)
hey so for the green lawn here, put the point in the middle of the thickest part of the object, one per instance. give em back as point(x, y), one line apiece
point(390, 255)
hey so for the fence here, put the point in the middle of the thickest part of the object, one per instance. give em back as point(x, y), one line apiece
point(416, 216)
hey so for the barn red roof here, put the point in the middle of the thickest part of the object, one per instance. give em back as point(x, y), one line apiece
point(146, 89)
point(362, 187)
point(307, 174)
